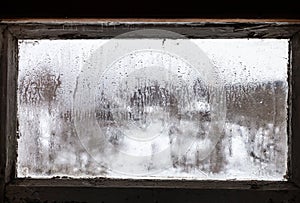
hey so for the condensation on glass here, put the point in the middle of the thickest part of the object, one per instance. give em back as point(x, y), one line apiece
point(150, 113)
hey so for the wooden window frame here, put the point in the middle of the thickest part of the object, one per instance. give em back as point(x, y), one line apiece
point(60, 189)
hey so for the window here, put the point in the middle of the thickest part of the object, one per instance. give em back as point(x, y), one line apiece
point(228, 125)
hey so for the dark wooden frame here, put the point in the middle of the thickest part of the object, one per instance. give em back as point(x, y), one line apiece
point(60, 189)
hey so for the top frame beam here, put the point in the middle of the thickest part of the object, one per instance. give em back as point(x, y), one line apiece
point(189, 28)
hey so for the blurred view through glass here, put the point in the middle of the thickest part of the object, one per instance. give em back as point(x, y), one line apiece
point(151, 113)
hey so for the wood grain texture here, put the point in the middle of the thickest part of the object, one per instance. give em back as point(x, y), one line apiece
point(26, 193)
point(295, 109)
point(8, 105)
point(139, 183)
point(77, 30)
point(11, 108)
point(3, 104)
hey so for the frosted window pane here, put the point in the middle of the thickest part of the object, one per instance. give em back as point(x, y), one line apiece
point(151, 114)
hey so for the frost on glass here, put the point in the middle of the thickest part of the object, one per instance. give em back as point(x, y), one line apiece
point(151, 114)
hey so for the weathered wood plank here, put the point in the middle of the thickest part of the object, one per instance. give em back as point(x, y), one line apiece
point(3, 104)
point(11, 109)
point(16, 193)
point(8, 122)
point(140, 183)
point(186, 29)
point(295, 110)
